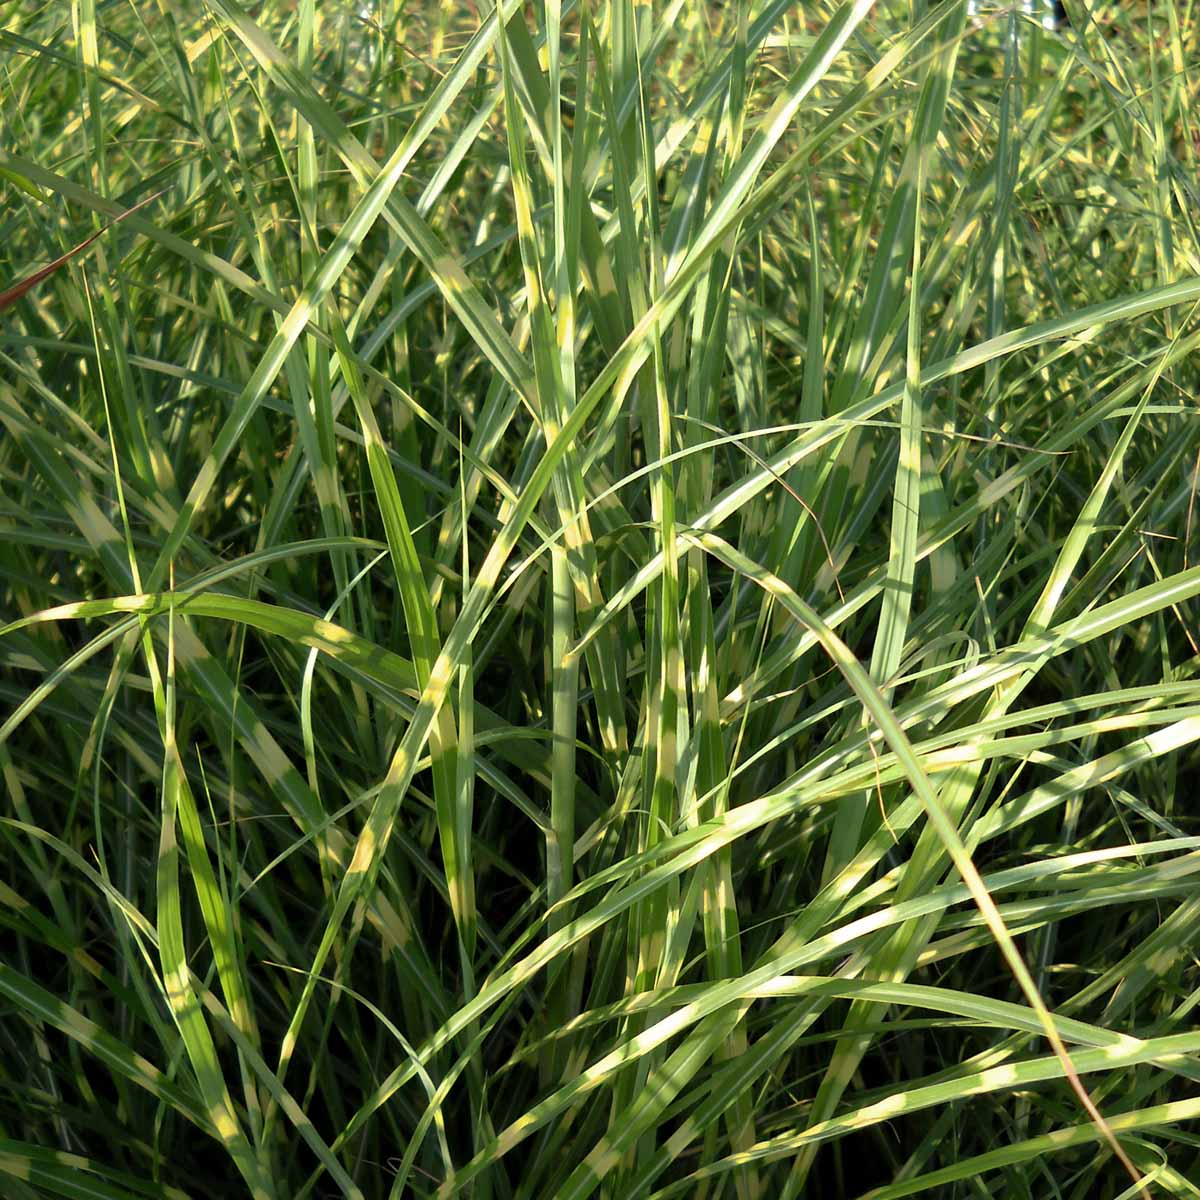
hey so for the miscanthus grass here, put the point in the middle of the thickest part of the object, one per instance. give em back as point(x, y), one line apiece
point(599, 599)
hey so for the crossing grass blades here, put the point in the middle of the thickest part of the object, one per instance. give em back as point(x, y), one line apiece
point(599, 599)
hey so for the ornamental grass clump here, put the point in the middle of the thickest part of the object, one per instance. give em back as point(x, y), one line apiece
point(599, 599)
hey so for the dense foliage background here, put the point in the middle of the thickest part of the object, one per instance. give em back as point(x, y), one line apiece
point(603, 609)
